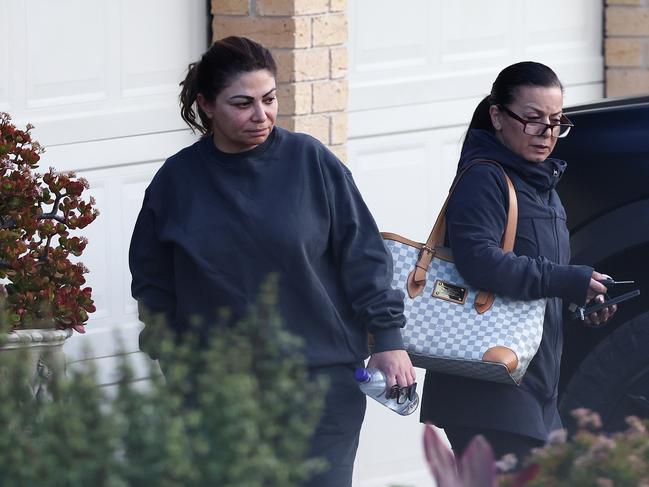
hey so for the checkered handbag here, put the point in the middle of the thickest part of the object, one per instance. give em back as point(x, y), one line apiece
point(453, 327)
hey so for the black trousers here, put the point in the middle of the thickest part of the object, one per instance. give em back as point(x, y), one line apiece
point(336, 435)
point(502, 442)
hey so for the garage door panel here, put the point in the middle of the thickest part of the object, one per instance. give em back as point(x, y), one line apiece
point(404, 178)
point(471, 29)
point(118, 192)
point(55, 75)
point(120, 80)
point(384, 47)
point(463, 44)
point(108, 238)
point(563, 21)
point(101, 342)
point(132, 194)
point(407, 118)
point(154, 66)
point(96, 255)
point(385, 457)
point(4, 56)
point(403, 165)
point(576, 33)
point(107, 369)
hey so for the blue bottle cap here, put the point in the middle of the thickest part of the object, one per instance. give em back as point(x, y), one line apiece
point(361, 375)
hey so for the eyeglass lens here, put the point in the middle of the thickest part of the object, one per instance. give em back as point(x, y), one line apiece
point(539, 128)
point(534, 128)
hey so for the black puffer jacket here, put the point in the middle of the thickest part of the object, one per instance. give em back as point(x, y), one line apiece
point(538, 267)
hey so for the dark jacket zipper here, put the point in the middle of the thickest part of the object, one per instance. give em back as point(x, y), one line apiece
point(559, 321)
point(557, 318)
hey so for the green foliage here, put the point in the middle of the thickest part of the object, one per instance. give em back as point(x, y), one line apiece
point(37, 213)
point(595, 458)
point(63, 442)
point(591, 458)
point(236, 412)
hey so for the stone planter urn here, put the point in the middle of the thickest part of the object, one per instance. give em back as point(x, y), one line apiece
point(41, 351)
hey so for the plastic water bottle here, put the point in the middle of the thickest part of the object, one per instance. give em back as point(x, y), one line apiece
point(373, 383)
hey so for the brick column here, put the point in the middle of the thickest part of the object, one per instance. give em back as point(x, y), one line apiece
point(307, 39)
point(626, 47)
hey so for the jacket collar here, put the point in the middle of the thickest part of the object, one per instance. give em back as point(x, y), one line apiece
point(481, 144)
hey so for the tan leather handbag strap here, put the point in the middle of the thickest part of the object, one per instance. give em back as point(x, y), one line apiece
point(417, 280)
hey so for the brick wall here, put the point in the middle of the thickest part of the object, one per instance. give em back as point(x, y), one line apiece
point(626, 47)
point(307, 39)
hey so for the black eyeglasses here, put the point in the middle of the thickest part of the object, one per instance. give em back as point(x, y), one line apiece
point(402, 394)
point(557, 130)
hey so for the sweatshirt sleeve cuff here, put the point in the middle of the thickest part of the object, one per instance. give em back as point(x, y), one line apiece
point(387, 339)
point(570, 283)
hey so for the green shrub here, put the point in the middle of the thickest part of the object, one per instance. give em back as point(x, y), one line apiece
point(595, 458)
point(238, 412)
point(591, 458)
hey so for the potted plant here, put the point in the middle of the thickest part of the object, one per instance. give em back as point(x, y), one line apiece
point(44, 297)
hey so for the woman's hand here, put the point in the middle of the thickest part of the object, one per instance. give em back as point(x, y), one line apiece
point(396, 366)
point(595, 288)
point(596, 291)
point(603, 315)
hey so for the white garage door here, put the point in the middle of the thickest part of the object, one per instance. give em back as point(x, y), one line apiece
point(99, 80)
point(417, 71)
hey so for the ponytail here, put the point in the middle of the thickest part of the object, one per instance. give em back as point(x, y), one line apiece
point(188, 95)
point(481, 119)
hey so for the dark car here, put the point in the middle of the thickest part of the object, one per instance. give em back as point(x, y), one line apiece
point(606, 194)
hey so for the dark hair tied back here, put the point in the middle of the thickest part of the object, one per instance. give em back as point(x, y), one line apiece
point(504, 89)
point(224, 61)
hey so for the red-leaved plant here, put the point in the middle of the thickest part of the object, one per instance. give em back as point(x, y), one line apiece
point(476, 467)
point(43, 288)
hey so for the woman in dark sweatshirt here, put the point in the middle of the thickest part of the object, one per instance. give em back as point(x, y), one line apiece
point(250, 199)
point(517, 125)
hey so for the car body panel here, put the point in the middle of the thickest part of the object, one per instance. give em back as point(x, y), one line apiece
point(605, 191)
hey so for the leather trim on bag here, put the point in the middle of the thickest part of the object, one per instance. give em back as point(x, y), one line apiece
point(403, 240)
point(436, 237)
point(414, 289)
point(484, 301)
point(502, 355)
point(444, 253)
point(512, 218)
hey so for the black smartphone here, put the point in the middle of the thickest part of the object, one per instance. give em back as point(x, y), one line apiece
point(583, 311)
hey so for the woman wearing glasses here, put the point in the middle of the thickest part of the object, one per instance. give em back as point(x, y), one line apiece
point(517, 125)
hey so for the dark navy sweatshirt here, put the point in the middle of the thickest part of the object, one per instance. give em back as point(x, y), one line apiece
point(538, 267)
point(214, 225)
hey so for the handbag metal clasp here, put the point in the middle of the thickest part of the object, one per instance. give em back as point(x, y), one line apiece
point(427, 249)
